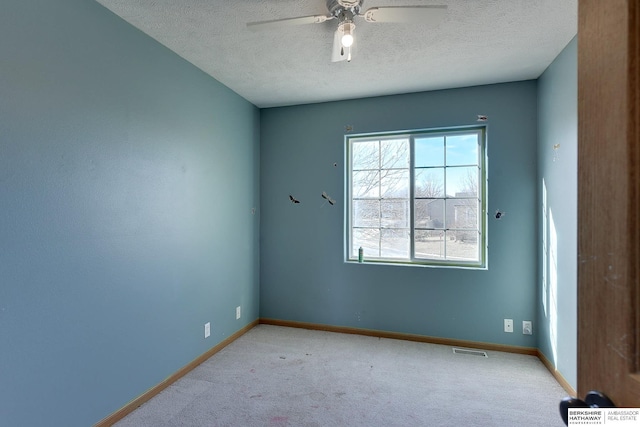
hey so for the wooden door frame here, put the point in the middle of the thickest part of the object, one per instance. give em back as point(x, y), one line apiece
point(609, 199)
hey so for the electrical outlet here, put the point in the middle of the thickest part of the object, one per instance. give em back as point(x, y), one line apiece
point(237, 312)
point(207, 329)
point(508, 325)
point(527, 328)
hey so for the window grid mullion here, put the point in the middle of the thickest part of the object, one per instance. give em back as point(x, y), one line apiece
point(380, 198)
point(412, 234)
point(446, 221)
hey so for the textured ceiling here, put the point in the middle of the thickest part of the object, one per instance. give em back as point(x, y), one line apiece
point(478, 42)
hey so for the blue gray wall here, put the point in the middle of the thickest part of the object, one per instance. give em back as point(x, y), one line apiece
point(558, 169)
point(303, 275)
point(127, 179)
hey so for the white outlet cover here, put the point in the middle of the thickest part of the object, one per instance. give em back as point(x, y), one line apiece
point(238, 312)
point(207, 329)
point(508, 325)
point(527, 328)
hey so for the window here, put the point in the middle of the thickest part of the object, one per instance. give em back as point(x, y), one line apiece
point(418, 197)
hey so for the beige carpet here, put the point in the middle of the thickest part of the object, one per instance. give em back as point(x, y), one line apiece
point(277, 376)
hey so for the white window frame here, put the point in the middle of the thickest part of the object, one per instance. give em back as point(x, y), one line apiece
point(351, 252)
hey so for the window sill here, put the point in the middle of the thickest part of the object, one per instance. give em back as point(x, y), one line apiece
point(419, 265)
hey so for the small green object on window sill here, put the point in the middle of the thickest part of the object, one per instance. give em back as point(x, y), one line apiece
point(360, 254)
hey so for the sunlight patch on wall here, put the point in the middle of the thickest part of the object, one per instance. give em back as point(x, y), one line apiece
point(545, 247)
point(553, 288)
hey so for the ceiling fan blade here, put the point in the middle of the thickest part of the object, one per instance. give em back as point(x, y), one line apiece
point(288, 22)
point(411, 14)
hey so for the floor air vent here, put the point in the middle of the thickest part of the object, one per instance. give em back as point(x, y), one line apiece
point(470, 352)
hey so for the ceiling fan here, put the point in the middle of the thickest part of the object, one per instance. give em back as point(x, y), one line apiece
point(345, 11)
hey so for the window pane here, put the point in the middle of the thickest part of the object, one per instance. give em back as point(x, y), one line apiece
point(418, 197)
point(430, 244)
point(395, 154)
point(395, 213)
point(395, 183)
point(429, 151)
point(465, 213)
point(429, 182)
point(462, 181)
point(366, 213)
point(365, 155)
point(395, 243)
point(429, 213)
point(366, 184)
point(462, 150)
point(368, 239)
point(463, 245)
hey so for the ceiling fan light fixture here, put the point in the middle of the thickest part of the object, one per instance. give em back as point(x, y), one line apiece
point(347, 34)
point(347, 40)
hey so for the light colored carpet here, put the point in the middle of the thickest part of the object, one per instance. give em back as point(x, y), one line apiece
point(277, 376)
